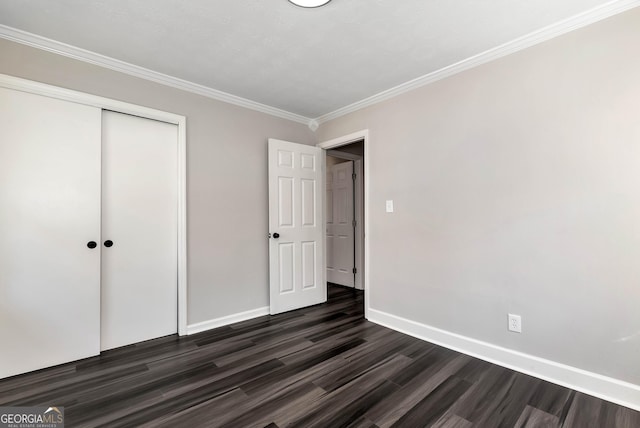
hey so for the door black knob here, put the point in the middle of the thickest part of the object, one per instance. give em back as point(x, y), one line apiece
point(108, 243)
point(276, 235)
point(92, 244)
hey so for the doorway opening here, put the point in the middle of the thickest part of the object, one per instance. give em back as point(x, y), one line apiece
point(345, 212)
point(344, 215)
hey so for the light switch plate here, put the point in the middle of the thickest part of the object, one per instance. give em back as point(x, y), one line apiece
point(389, 206)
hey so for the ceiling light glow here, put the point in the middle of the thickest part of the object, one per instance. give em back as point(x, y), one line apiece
point(309, 3)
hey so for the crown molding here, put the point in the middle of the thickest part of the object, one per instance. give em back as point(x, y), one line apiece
point(562, 27)
point(84, 55)
point(554, 30)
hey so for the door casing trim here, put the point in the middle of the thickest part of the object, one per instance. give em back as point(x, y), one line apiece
point(363, 136)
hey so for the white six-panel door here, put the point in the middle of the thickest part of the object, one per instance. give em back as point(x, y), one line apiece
point(139, 217)
point(49, 212)
point(296, 248)
point(340, 228)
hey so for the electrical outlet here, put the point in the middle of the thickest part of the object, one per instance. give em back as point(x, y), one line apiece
point(515, 323)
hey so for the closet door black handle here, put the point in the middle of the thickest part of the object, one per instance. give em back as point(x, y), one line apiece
point(276, 235)
point(92, 244)
point(108, 243)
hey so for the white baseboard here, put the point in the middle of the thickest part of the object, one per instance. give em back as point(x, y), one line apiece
point(229, 319)
point(614, 390)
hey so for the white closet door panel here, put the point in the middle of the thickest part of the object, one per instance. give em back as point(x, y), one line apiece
point(139, 215)
point(49, 211)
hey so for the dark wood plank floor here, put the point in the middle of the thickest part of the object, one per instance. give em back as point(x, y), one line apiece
point(323, 366)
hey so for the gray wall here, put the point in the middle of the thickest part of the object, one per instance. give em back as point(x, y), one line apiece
point(517, 189)
point(226, 175)
point(331, 161)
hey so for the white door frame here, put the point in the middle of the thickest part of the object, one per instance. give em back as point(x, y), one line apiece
point(362, 135)
point(24, 85)
point(358, 214)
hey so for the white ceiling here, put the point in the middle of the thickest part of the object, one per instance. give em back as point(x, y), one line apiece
point(305, 61)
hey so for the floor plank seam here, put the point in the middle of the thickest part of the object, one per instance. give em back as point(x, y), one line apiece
point(321, 366)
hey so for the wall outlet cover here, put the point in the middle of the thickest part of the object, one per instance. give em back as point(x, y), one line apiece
point(515, 323)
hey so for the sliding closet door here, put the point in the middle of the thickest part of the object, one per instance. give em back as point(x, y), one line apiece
point(49, 212)
point(139, 229)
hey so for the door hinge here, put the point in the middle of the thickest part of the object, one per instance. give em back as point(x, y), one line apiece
point(354, 224)
point(355, 271)
point(353, 176)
